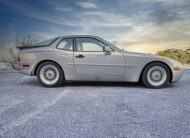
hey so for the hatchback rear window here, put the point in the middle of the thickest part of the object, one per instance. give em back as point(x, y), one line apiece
point(45, 42)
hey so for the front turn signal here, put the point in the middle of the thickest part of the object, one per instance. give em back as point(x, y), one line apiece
point(176, 69)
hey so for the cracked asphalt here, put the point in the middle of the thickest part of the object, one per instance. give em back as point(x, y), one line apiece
point(78, 110)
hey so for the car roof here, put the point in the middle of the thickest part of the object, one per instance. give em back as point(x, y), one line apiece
point(81, 36)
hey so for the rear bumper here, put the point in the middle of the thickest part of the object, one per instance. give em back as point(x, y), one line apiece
point(23, 70)
point(16, 67)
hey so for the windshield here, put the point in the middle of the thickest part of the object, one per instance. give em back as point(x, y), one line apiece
point(112, 45)
point(46, 42)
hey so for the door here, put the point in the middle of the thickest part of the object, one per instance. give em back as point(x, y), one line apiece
point(90, 58)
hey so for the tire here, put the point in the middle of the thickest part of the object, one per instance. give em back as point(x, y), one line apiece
point(50, 74)
point(156, 75)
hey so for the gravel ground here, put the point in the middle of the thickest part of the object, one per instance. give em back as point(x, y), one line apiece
point(28, 110)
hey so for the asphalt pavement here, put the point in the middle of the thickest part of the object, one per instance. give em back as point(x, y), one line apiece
point(79, 110)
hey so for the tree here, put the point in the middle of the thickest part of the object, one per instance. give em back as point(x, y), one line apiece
point(26, 40)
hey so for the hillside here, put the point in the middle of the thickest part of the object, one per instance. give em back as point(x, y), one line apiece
point(182, 56)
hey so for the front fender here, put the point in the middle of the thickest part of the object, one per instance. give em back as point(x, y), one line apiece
point(136, 63)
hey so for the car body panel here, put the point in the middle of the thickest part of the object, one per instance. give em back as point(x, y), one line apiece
point(100, 63)
point(96, 66)
point(135, 63)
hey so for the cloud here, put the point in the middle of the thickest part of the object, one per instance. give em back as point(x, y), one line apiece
point(32, 12)
point(82, 20)
point(58, 5)
point(63, 9)
point(164, 2)
point(104, 19)
point(152, 37)
point(87, 5)
point(78, 19)
point(137, 30)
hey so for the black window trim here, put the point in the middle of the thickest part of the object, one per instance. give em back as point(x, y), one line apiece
point(75, 45)
point(62, 40)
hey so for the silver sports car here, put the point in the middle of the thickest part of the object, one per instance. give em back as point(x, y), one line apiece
point(91, 58)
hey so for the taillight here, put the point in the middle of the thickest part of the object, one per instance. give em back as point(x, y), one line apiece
point(18, 57)
point(26, 65)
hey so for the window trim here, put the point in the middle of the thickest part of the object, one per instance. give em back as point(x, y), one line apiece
point(66, 49)
point(75, 45)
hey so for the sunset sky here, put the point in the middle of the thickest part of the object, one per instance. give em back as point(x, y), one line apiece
point(135, 25)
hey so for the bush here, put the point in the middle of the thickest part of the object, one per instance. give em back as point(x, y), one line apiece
point(179, 55)
point(24, 41)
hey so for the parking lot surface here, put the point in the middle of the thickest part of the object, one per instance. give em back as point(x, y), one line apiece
point(84, 109)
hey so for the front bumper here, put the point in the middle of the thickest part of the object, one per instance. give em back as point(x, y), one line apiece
point(177, 75)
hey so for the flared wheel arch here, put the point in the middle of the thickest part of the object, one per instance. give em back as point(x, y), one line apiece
point(36, 67)
point(171, 74)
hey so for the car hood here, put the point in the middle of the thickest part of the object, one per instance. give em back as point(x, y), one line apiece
point(138, 54)
point(155, 57)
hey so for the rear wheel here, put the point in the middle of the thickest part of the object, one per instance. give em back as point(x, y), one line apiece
point(156, 75)
point(50, 74)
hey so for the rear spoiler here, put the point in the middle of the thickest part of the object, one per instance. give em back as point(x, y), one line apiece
point(29, 47)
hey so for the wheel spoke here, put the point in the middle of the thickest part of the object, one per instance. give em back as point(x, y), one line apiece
point(156, 75)
point(49, 74)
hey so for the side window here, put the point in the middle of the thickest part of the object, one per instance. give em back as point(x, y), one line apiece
point(89, 45)
point(66, 44)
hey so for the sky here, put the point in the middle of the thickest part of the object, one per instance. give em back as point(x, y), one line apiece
point(135, 25)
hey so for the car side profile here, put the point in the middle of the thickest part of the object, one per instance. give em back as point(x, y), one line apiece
point(91, 58)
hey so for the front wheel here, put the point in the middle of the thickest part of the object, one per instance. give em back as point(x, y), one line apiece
point(156, 75)
point(50, 74)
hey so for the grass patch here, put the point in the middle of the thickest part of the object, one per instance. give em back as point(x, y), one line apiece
point(186, 65)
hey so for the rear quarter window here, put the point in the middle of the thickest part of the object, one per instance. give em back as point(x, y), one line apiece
point(66, 44)
point(45, 42)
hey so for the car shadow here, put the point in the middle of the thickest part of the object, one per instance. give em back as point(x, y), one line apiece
point(102, 84)
point(34, 82)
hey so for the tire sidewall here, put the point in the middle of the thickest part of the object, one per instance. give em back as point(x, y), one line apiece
point(145, 77)
point(61, 74)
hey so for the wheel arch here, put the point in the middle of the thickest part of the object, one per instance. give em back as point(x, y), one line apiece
point(171, 74)
point(37, 65)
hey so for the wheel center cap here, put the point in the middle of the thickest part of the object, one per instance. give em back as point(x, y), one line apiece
point(156, 76)
point(50, 74)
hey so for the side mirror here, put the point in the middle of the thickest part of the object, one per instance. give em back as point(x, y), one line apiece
point(107, 49)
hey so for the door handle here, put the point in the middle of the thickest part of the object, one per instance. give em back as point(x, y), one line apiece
point(80, 56)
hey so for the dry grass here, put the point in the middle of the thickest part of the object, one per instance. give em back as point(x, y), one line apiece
point(186, 65)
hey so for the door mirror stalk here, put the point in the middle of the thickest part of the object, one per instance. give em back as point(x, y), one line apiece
point(107, 50)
